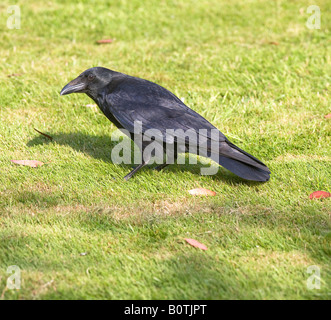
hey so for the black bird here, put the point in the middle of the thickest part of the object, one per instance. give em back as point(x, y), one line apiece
point(125, 99)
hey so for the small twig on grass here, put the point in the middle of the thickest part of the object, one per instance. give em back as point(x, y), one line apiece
point(44, 134)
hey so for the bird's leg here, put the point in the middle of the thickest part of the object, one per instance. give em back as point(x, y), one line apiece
point(144, 161)
point(135, 170)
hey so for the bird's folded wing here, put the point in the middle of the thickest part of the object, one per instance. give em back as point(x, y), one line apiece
point(161, 114)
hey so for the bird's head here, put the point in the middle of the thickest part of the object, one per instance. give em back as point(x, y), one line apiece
point(89, 82)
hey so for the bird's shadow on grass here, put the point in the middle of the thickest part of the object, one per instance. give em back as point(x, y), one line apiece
point(100, 147)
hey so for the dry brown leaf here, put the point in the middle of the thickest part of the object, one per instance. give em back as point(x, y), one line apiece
point(196, 244)
point(202, 192)
point(29, 163)
point(14, 75)
point(103, 41)
point(320, 195)
point(275, 43)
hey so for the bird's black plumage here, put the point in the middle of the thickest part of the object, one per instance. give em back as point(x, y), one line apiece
point(125, 99)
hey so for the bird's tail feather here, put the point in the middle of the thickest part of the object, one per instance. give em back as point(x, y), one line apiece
point(244, 170)
point(242, 163)
point(233, 146)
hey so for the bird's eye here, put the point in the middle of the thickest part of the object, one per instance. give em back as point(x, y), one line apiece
point(91, 77)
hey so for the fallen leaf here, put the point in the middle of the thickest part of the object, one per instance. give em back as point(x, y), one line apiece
point(275, 43)
point(202, 192)
point(29, 163)
point(327, 116)
point(44, 134)
point(14, 75)
point(104, 41)
point(320, 195)
point(195, 244)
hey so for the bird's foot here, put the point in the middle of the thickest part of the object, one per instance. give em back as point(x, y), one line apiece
point(160, 167)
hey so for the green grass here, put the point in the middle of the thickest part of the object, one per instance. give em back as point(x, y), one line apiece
point(268, 99)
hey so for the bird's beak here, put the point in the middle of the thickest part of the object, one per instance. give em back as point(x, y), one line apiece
point(76, 85)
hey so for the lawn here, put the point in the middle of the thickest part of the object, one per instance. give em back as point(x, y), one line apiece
point(77, 230)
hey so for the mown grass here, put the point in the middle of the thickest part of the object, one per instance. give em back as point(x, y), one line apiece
point(252, 68)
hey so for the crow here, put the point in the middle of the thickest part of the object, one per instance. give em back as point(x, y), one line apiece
point(125, 100)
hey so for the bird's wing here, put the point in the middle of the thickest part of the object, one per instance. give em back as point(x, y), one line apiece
point(156, 108)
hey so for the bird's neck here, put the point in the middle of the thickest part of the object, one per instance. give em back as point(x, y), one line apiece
point(98, 99)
